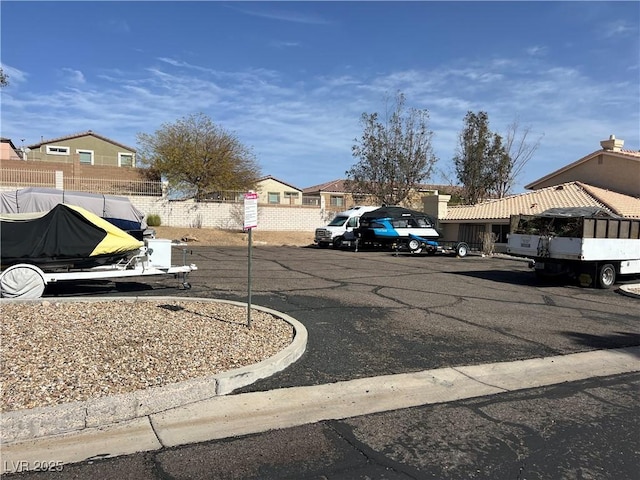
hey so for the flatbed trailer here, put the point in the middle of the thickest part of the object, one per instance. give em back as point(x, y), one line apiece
point(417, 244)
point(594, 250)
point(28, 281)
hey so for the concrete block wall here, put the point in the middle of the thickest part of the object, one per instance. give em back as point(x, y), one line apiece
point(228, 216)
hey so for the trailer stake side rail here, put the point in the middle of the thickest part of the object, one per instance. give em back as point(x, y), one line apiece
point(594, 250)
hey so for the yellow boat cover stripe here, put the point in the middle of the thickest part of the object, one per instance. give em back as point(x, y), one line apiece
point(115, 241)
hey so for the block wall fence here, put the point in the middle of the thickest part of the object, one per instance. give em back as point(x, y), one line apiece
point(228, 216)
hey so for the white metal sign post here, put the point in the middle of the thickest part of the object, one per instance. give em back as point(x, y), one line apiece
point(250, 222)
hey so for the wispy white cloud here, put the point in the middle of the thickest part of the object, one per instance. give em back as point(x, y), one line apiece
point(72, 76)
point(284, 44)
point(15, 76)
point(181, 64)
point(618, 28)
point(118, 26)
point(281, 14)
point(302, 132)
point(537, 51)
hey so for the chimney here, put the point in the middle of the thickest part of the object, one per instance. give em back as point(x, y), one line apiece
point(612, 144)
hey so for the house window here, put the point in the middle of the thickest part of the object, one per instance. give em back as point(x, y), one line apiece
point(274, 197)
point(500, 232)
point(291, 196)
point(336, 201)
point(86, 157)
point(125, 159)
point(57, 150)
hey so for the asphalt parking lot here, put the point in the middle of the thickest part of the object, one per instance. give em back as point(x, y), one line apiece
point(373, 313)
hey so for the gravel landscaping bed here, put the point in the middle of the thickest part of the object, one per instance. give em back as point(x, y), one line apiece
point(52, 353)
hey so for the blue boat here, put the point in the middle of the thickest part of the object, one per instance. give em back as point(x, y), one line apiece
point(392, 227)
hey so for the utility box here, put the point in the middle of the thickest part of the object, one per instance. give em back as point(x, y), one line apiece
point(159, 252)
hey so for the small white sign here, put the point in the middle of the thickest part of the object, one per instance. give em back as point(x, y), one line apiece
point(250, 210)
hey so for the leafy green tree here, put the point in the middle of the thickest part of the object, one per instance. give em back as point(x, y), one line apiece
point(4, 78)
point(197, 156)
point(481, 159)
point(394, 154)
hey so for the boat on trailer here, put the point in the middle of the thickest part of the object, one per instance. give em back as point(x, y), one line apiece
point(114, 209)
point(70, 243)
point(392, 226)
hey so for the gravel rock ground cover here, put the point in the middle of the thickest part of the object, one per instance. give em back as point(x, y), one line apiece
point(52, 353)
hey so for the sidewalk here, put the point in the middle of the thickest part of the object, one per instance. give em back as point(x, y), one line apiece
point(233, 415)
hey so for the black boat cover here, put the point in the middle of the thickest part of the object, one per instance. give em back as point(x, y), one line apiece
point(394, 213)
point(67, 234)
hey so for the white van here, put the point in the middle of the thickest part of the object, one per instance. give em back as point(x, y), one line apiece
point(341, 227)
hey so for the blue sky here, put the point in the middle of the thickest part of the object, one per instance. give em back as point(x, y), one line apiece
point(291, 79)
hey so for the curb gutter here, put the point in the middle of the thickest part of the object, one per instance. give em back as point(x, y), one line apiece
point(234, 415)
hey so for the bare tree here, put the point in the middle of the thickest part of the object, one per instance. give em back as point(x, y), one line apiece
point(395, 153)
point(521, 148)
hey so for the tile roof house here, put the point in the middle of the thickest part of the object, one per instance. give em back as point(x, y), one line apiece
point(611, 167)
point(276, 192)
point(569, 194)
point(614, 185)
point(87, 148)
point(8, 150)
point(335, 195)
point(82, 161)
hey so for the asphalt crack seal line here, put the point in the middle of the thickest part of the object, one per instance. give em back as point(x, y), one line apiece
point(255, 412)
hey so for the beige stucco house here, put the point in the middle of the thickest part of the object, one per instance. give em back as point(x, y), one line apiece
point(608, 178)
point(84, 161)
point(86, 148)
point(8, 150)
point(276, 192)
point(612, 168)
point(335, 196)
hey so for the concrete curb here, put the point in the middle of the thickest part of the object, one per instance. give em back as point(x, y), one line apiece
point(36, 423)
point(254, 412)
point(628, 290)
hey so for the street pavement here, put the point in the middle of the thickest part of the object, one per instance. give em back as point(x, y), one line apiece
point(373, 314)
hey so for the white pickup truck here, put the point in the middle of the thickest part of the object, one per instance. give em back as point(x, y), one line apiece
point(341, 227)
point(592, 248)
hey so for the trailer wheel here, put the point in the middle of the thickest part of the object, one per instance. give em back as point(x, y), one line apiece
point(22, 281)
point(462, 249)
point(606, 275)
point(414, 245)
